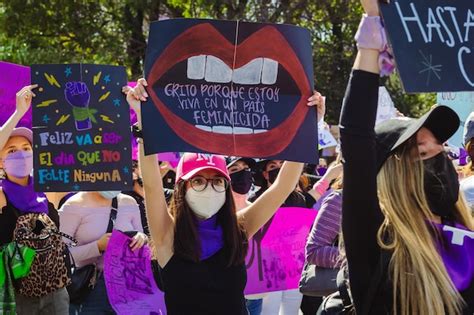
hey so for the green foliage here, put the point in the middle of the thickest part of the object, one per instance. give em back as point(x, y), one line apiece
point(411, 105)
point(115, 32)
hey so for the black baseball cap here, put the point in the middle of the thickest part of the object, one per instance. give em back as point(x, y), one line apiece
point(442, 121)
point(231, 160)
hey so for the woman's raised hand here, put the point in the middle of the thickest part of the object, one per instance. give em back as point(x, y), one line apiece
point(136, 95)
point(24, 97)
point(320, 102)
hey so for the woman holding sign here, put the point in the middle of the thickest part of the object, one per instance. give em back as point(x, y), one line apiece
point(408, 234)
point(19, 202)
point(90, 218)
point(201, 241)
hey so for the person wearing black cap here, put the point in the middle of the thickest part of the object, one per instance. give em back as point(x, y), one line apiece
point(395, 221)
point(240, 172)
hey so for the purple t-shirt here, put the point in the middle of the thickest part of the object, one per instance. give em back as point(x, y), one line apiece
point(457, 251)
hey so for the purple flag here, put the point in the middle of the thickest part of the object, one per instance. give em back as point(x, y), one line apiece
point(131, 287)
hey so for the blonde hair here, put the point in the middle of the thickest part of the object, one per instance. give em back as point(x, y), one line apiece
point(468, 169)
point(421, 284)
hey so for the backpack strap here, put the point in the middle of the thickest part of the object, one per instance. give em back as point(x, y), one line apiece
point(343, 288)
point(113, 215)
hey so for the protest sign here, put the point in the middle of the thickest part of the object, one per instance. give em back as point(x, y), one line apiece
point(276, 253)
point(13, 78)
point(433, 43)
point(325, 138)
point(81, 127)
point(463, 104)
point(129, 280)
point(386, 109)
point(229, 87)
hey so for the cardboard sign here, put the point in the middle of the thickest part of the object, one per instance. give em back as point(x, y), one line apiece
point(386, 109)
point(229, 87)
point(129, 280)
point(463, 104)
point(433, 43)
point(325, 138)
point(12, 79)
point(276, 253)
point(81, 127)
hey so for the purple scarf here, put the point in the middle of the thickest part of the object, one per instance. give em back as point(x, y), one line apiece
point(25, 198)
point(457, 252)
point(210, 235)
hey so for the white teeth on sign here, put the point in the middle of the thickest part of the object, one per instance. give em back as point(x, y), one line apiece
point(242, 131)
point(230, 130)
point(222, 129)
point(213, 69)
point(205, 128)
point(217, 71)
point(249, 73)
point(196, 67)
point(269, 71)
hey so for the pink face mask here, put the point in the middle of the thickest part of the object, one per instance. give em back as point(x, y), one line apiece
point(18, 164)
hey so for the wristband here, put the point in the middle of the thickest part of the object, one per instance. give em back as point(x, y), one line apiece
point(321, 186)
point(136, 131)
point(371, 35)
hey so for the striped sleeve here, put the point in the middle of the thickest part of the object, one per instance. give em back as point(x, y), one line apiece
point(320, 249)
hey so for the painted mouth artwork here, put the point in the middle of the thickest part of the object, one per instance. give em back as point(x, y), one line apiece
point(258, 71)
point(245, 99)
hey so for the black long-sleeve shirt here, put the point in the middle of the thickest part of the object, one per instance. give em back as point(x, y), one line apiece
point(361, 214)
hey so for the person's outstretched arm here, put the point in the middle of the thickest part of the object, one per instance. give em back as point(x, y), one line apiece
point(361, 215)
point(160, 222)
point(23, 103)
point(258, 213)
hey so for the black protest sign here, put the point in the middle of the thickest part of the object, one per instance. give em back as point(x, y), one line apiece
point(433, 43)
point(81, 127)
point(229, 87)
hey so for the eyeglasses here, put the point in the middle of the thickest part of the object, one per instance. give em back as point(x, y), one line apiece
point(200, 183)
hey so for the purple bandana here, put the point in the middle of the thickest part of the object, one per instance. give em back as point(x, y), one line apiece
point(457, 253)
point(25, 198)
point(210, 235)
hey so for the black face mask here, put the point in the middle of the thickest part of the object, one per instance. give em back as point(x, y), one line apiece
point(272, 175)
point(169, 179)
point(441, 185)
point(241, 181)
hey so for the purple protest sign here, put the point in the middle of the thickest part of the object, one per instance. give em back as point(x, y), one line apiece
point(13, 78)
point(276, 253)
point(131, 287)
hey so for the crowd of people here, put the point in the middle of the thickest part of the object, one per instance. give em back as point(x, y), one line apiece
point(395, 218)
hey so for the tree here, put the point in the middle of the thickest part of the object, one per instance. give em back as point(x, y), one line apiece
point(115, 32)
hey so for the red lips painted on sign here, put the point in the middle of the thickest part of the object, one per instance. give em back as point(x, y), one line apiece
point(204, 39)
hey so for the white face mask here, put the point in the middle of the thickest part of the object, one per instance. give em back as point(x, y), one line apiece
point(205, 203)
point(110, 194)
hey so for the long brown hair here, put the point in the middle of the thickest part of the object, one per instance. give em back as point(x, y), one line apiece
point(186, 240)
